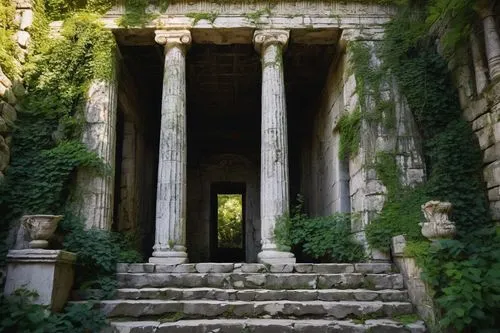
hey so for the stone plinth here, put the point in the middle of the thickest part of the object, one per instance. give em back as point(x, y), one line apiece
point(48, 272)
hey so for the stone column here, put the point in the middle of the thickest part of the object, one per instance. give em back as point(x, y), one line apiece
point(170, 235)
point(479, 68)
point(274, 195)
point(96, 191)
point(492, 40)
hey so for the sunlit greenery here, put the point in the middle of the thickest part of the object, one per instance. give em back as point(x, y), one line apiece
point(230, 220)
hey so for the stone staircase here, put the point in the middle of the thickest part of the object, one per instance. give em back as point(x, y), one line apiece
point(240, 298)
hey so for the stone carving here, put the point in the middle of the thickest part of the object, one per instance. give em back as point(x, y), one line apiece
point(263, 38)
point(437, 225)
point(173, 37)
point(40, 228)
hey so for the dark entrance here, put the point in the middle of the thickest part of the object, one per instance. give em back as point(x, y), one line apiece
point(227, 222)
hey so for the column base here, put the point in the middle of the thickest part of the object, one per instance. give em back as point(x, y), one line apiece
point(273, 257)
point(169, 257)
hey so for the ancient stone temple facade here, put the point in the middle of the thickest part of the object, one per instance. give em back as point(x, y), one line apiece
point(247, 102)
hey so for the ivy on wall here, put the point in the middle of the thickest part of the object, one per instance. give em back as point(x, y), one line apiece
point(463, 273)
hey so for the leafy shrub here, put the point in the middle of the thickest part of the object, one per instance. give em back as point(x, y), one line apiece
point(327, 239)
point(98, 252)
point(18, 314)
point(466, 278)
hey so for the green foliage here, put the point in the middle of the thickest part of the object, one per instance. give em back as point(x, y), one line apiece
point(456, 15)
point(327, 239)
point(210, 17)
point(7, 43)
point(98, 251)
point(62, 9)
point(401, 212)
point(465, 275)
point(349, 126)
point(19, 314)
point(136, 13)
point(229, 224)
point(47, 148)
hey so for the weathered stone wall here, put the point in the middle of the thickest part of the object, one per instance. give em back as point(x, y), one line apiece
point(325, 180)
point(136, 164)
point(221, 168)
point(335, 185)
point(473, 67)
point(11, 88)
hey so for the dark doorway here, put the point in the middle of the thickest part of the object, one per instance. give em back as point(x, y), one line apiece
point(227, 222)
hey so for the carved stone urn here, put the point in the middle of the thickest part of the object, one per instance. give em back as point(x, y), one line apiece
point(437, 225)
point(40, 228)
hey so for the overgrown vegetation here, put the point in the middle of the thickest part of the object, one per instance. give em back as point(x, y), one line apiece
point(323, 239)
point(47, 150)
point(19, 314)
point(7, 43)
point(463, 273)
point(230, 220)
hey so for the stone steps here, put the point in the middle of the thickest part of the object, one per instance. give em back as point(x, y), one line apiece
point(243, 298)
point(387, 295)
point(272, 281)
point(252, 309)
point(365, 268)
point(267, 326)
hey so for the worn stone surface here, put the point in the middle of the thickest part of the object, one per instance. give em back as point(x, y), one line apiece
point(267, 325)
point(210, 308)
point(170, 235)
point(274, 186)
point(49, 273)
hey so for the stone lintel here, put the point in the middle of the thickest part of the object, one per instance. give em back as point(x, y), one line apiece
point(263, 38)
point(171, 38)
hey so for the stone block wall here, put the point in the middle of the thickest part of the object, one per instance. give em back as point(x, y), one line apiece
point(475, 69)
point(336, 185)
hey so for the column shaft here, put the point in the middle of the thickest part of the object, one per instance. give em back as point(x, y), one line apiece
point(274, 143)
point(479, 68)
point(95, 190)
point(170, 236)
point(492, 40)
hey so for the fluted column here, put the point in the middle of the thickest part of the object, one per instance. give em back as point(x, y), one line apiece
point(480, 70)
point(492, 40)
point(274, 195)
point(170, 236)
point(96, 190)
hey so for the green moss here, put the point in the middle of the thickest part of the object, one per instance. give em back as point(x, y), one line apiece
point(172, 317)
point(210, 17)
point(350, 133)
point(406, 319)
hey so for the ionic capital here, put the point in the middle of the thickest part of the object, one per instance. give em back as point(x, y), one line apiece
point(171, 38)
point(263, 38)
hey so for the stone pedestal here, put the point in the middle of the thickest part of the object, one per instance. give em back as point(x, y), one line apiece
point(170, 236)
point(48, 272)
point(274, 197)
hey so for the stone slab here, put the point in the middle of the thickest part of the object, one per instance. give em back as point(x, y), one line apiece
point(48, 272)
point(222, 325)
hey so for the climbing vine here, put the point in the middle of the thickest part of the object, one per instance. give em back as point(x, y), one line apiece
point(463, 273)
